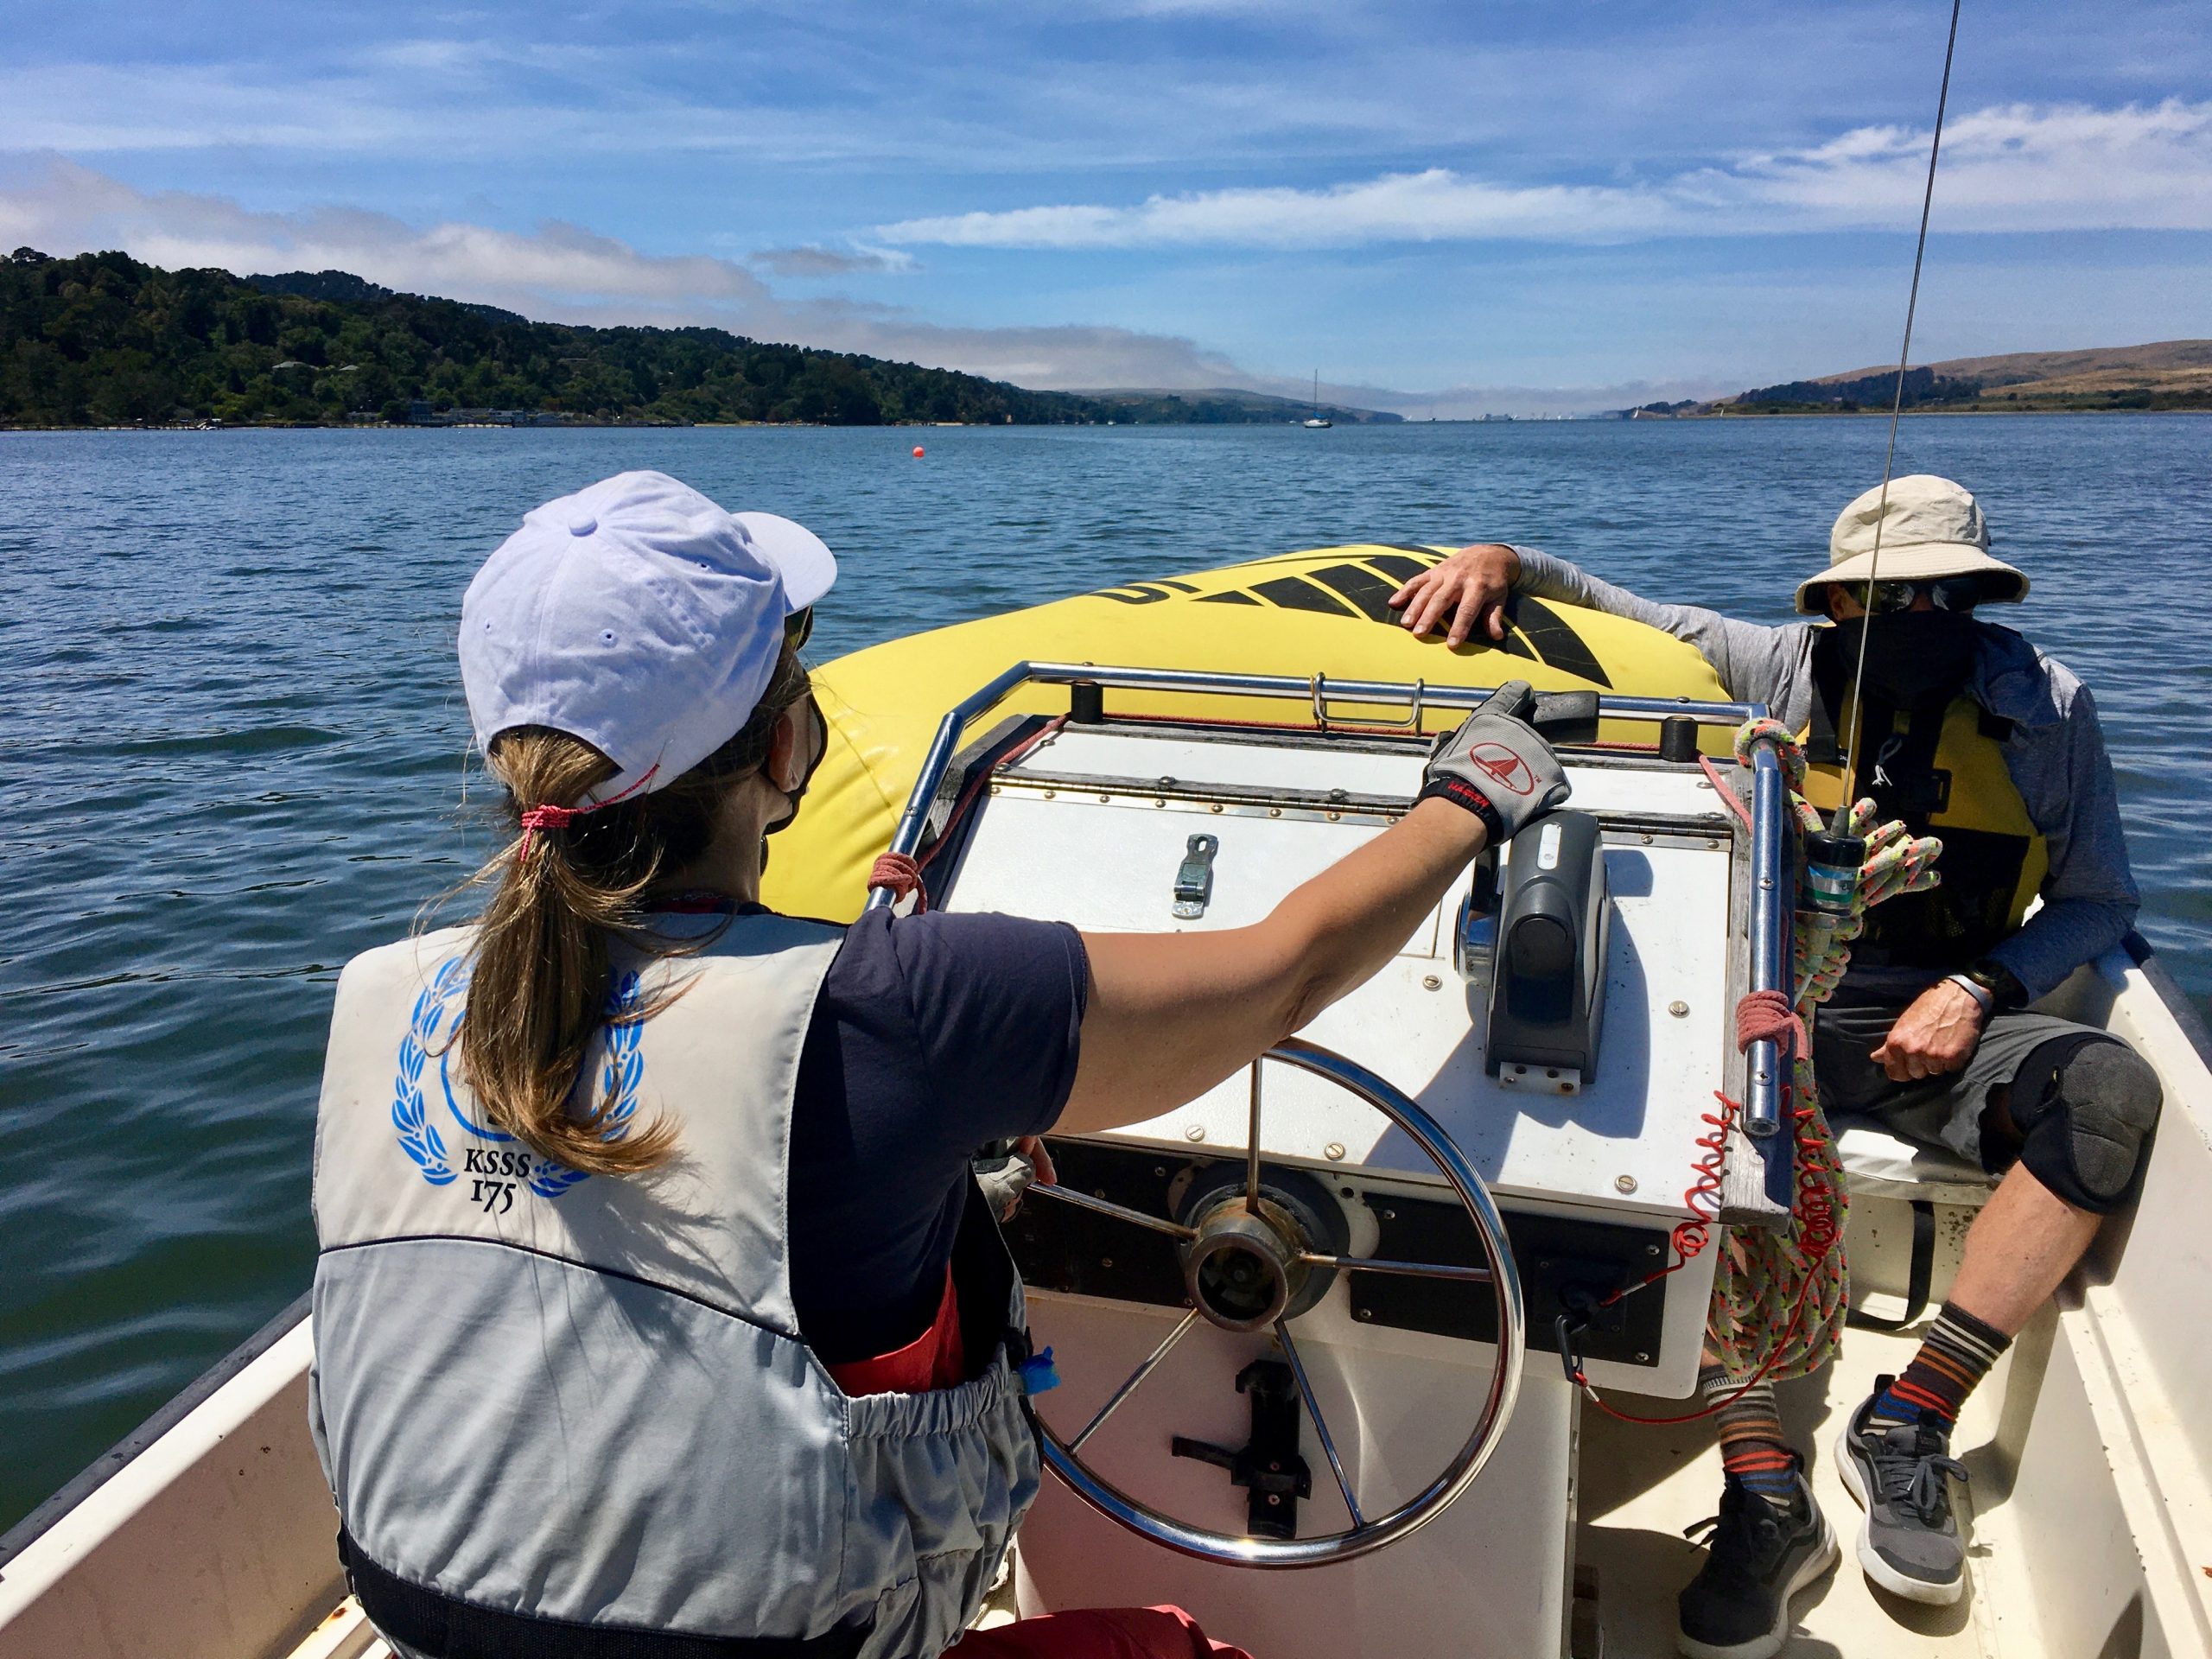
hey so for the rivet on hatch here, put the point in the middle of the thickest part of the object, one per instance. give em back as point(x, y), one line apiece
point(1680, 1010)
point(1431, 982)
point(1196, 1132)
point(1334, 1151)
point(1623, 1183)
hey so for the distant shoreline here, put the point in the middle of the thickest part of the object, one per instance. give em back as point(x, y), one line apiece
point(1883, 414)
point(183, 430)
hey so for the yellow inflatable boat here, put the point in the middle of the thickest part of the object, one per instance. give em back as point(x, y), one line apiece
point(1321, 612)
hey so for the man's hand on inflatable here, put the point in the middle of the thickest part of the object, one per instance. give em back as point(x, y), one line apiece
point(1496, 766)
point(1471, 588)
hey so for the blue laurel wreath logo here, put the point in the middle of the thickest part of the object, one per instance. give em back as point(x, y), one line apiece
point(431, 1030)
point(418, 1137)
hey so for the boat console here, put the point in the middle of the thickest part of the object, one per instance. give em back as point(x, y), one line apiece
point(1298, 1316)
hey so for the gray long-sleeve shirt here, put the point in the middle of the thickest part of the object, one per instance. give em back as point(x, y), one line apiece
point(2056, 754)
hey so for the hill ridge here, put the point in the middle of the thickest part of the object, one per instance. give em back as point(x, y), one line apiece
point(105, 340)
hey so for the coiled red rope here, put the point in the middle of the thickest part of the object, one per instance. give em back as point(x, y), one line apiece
point(1769, 1016)
point(901, 874)
point(1760, 1016)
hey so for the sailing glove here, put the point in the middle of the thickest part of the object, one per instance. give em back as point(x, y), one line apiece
point(1496, 766)
point(1004, 1177)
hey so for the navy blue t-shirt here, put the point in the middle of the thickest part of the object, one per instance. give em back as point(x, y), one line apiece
point(933, 1034)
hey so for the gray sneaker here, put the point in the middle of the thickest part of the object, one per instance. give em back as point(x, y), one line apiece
point(1900, 1476)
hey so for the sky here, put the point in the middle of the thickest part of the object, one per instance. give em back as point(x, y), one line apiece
point(1452, 207)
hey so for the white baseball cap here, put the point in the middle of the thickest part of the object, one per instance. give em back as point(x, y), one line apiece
point(1931, 528)
point(636, 615)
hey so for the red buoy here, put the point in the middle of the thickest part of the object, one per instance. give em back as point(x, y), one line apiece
point(918, 452)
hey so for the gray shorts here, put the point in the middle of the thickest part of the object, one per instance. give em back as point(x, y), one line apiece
point(1935, 1111)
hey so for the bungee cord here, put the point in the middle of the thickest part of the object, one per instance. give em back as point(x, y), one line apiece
point(1889, 459)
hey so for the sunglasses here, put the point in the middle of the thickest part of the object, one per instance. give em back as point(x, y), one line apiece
point(1947, 594)
point(799, 628)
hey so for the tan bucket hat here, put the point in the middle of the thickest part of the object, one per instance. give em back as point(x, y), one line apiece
point(1931, 528)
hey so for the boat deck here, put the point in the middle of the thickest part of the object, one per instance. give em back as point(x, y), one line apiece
point(1642, 1485)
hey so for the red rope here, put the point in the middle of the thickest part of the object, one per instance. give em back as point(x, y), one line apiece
point(1761, 1016)
point(902, 876)
point(1769, 1016)
point(1727, 794)
point(546, 816)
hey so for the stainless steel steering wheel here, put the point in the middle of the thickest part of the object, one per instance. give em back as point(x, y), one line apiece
point(1250, 1265)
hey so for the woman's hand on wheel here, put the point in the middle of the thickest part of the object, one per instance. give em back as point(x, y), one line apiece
point(1470, 586)
point(1031, 1146)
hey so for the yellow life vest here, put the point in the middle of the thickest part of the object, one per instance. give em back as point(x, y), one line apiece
point(1960, 789)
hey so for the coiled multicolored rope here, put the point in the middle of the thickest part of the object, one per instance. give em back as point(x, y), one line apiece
point(1779, 1297)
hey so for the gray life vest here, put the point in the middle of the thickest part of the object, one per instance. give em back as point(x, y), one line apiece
point(584, 1400)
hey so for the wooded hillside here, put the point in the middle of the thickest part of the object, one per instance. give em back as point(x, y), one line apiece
point(102, 340)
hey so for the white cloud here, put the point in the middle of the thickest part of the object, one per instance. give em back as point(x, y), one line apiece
point(2011, 167)
point(563, 273)
point(67, 207)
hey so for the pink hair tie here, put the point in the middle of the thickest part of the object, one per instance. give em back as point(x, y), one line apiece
point(559, 817)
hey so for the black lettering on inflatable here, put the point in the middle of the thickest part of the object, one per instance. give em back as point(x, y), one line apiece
point(1135, 593)
point(1429, 555)
point(1295, 594)
point(1232, 597)
point(1363, 587)
point(1398, 567)
point(1179, 587)
point(1555, 642)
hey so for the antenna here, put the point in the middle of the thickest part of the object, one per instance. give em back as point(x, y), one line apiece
point(1842, 819)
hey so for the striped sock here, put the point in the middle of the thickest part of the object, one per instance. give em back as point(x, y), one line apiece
point(1957, 1354)
point(1752, 1446)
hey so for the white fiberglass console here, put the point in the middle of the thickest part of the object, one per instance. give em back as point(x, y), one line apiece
point(1160, 825)
point(1080, 830)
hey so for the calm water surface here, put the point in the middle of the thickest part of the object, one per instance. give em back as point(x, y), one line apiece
point(233, 747)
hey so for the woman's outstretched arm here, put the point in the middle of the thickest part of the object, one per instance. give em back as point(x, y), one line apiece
point(1171, 1014)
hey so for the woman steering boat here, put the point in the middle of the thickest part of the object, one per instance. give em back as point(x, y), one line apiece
point(697, 1342)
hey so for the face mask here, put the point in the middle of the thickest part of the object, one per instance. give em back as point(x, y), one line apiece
point(1911, 656)
point(821, 749)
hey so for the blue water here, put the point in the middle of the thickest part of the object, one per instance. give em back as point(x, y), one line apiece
point(233, 752)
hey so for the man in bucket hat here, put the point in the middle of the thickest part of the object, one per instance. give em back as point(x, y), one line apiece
point(1968, 732)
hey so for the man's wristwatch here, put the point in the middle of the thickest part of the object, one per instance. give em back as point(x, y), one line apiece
point(1984, 998)
point(2005, 992)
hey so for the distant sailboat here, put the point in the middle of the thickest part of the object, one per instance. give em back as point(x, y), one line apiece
point(1315, 418)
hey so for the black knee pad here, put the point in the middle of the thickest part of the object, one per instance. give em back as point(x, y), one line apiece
point(2085, 1105)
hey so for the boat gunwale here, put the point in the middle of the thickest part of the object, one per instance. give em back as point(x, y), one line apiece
point(112, 1462)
